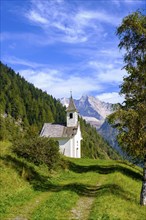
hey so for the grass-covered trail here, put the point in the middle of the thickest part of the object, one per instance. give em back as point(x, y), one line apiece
point(84, 189)
point(82, 209)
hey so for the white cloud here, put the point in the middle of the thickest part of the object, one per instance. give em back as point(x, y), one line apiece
point(14, 60)
point(68, 23)
point(36, 17)
point(112, 97)
point(132, 1)
point(100, 65)
point(111, 76)
point(108, 69)
point(84, 17)
point(78, 85)
point(51, 80)
point(119, 2)
point(91, 65)
point(110, 52)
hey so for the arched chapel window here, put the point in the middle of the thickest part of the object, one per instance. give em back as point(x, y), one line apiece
point(71, 115)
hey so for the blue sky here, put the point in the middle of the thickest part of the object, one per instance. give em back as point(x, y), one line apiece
point(63, 45)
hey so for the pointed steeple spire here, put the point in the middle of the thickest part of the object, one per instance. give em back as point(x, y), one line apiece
point(71, 106)
point(72, 114)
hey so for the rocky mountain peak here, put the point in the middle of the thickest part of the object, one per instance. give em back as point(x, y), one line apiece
point(91, 109)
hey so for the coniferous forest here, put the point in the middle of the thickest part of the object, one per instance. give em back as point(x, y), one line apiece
point(25, 108)
point(22, 100)
point(36, 179)
point(100, 55)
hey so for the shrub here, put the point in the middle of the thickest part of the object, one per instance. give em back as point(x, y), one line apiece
point(38, 150)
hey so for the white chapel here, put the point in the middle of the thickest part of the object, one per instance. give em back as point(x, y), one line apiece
point(69, 136)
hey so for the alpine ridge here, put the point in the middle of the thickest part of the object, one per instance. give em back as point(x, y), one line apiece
point(22, 103)
point(92, 109)
point(95, 112)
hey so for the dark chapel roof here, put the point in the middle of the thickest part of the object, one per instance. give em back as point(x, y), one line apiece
point(58, 131)
point(71, 106)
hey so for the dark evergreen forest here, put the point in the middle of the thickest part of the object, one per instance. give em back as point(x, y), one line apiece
point(26, 108)
point(22, 100)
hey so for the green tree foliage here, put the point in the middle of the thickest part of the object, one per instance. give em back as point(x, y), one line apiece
point(130, 119)
point(38, 150)
point(10, 129)
point(22, 100)
point(93, 145)
point(24, 109)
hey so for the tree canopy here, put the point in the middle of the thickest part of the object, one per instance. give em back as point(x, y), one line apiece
point(130, 119)
point(26, 108)
point(24, 102)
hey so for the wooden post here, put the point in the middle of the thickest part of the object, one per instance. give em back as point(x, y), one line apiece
point(143, 190)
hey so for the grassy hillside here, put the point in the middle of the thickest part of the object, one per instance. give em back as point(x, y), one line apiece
point(81, 189)
point(26, 108)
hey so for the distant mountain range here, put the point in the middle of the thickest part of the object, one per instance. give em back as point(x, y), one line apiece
point(95, 112)
point(25, 108)
point(92, 109)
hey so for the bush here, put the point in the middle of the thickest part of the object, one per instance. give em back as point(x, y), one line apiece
point(38, 150)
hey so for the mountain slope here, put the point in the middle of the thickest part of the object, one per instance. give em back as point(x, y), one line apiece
point(24, 107)
point(92, 109)
point(85, 189)
point(109, 134)
point(23, 101)
point(93, 145)
point(95, 112)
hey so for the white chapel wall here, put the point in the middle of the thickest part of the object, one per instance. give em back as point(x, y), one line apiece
point(66, 147)
point(71, 122)
point(77, 144)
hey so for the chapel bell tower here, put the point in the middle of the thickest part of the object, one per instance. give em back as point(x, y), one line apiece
point(72, 114)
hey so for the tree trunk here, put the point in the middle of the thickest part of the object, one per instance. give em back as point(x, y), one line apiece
point(143, 190)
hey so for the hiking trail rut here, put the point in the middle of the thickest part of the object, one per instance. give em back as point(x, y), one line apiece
point(26, 210)
point(82, 209)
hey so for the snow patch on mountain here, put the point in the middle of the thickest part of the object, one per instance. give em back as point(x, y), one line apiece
point(95, 112)
point(91, 119)
point(65, 102)
point(91, 109)
point(104, 109)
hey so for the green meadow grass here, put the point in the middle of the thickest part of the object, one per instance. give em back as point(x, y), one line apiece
point(57, 206)
point(31, 192)
point(14, 190)
point(118, 198)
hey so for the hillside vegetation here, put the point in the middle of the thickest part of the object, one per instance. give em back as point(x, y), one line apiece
point(79, 189)
point(24, 109)
point(23, 101)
